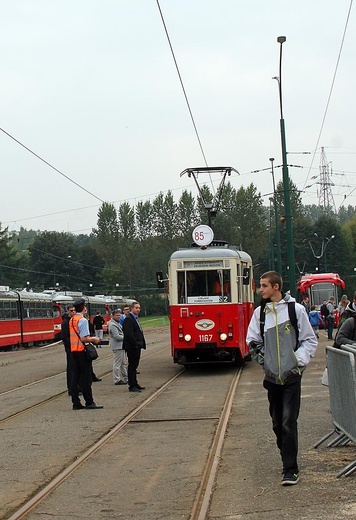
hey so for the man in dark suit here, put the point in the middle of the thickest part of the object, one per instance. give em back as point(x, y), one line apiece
point(134, 341)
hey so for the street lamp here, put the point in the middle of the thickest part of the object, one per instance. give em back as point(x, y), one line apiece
point(286, 181)
point(324, 244)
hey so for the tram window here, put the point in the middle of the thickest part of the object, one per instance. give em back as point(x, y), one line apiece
point(244, 285)
point(212, 285)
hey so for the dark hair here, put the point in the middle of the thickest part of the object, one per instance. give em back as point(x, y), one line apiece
point(133, 304)
point(274, 278)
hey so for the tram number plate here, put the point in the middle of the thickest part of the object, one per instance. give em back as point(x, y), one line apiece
point(205, 337)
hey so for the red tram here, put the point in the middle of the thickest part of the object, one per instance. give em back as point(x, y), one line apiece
point(103, 304)
point(319, 287)
point(26, 318)
point(211, 303)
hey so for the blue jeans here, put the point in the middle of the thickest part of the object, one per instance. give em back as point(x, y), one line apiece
point(284, 405)
point(330, 323)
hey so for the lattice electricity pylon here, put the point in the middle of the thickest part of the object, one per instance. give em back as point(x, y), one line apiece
point(326, 199)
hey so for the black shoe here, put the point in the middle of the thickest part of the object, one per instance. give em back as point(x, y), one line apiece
point(290, 478)
point(134, 389)
point(93, 406)
point(78, 407)
point(120, 383)
point(140, 387)
point(96, 379)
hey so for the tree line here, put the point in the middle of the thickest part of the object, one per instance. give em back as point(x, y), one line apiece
point(131, 242)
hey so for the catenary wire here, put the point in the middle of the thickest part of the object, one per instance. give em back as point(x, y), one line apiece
point(183, 88)
point(331, 90)
point(50, 165)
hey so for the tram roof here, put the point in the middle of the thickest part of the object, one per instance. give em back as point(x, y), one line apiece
point(210, 252)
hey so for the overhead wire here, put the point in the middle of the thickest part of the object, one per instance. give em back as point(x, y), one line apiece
point(331, 89)
point(50, 165)
point(183, 88)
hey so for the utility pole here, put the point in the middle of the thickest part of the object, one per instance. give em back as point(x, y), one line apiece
point(276, 219)
point(286, 182)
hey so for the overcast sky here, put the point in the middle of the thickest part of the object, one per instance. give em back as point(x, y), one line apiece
point(92, 88)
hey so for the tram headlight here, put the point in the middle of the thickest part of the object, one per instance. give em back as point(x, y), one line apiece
point(223, 336)
point(187, 337)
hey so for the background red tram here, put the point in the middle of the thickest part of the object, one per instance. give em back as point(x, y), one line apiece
point(103, 304)
point(26, 318)
point(211, 303)
point(319, 287)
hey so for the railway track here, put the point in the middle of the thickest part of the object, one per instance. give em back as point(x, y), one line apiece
point(199, 507)
point(22, 388)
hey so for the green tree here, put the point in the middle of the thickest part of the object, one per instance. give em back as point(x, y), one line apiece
point(144, 220)
point(13, 264)
point(52, 257)
point(107, 232)
point(186, 216)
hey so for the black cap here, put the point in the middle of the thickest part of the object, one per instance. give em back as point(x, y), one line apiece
point(79, 303)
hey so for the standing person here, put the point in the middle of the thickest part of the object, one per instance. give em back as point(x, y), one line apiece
point(98, 322)
point(343, 303)
point(284, 350)
point(330, 319)
point(347, 333)
point(134, 341)
point(94, 377)
point(306, 304)
point(315, 320)
point(79, 336)
point(126, 312)
point(65, 336)
point(351, 308)
point(116, 338)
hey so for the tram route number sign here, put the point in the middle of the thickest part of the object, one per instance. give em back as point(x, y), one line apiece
point(203, 235)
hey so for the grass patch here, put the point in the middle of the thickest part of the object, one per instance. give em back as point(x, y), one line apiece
point(154, 321)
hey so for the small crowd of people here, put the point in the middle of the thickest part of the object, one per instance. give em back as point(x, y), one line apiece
point(126, 340)
point(326, 317)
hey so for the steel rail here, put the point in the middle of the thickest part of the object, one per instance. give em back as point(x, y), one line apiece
point(64, 474)
point(202, 500)
point(51, 398)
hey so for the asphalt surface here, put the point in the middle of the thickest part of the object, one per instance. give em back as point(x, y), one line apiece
point(249, 478)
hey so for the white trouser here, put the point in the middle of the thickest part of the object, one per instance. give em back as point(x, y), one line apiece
point(119, 368)
point(99, 334)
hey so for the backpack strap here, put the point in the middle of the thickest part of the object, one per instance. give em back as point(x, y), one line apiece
point(263, 317)
point(294, 321)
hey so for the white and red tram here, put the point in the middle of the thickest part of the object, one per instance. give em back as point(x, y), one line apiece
point(26, 318)
point(211, 303)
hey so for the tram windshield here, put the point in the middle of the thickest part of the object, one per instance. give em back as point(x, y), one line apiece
point(322, 291)
point(206, 286)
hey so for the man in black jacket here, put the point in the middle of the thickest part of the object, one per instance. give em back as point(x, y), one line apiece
point(134, 341)
point(66, 342)
point(347, 333)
